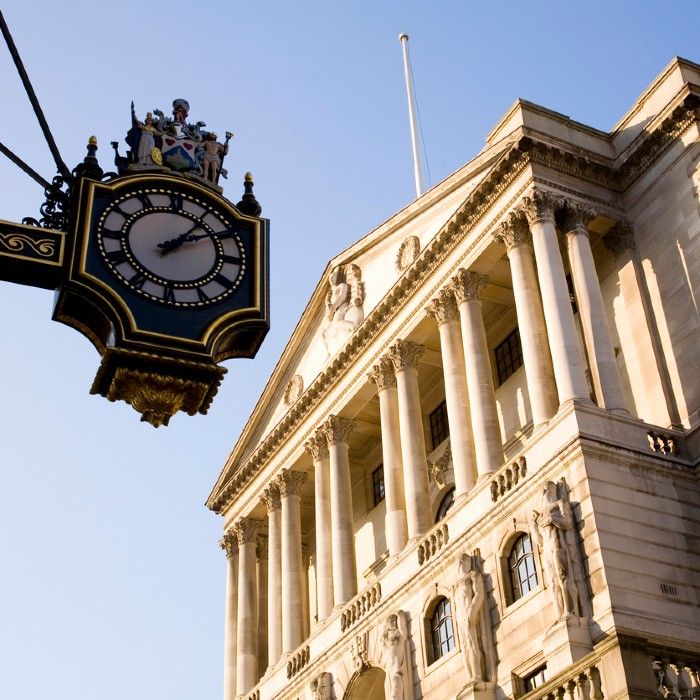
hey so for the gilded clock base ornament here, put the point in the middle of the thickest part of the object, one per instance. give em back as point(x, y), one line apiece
point(162, 273)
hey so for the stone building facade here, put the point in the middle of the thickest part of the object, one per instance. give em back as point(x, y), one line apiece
point(473, 472)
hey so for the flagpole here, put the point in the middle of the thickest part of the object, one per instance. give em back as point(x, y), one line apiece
point(413, 119)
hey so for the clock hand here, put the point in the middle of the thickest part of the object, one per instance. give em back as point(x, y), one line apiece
point(170, 245)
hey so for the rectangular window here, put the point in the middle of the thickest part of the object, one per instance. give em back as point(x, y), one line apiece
point(378, 484)
point(509, 356)
point(439, 427)
point(535, 679)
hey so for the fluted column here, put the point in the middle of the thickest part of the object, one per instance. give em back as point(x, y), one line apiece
point(247, 645)
point(444, 310)
point(271, 499)
point(567, 358)
point(262, 570)
point(306, 613)
point(594, 320)
point(382, 375)
point(317, 448)
point(514, 234)
point(290, 484)
point(404, 356)
point(229, 543)
point(337, 430)
point(467, 286)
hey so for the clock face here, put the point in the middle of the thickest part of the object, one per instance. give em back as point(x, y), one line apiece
point(171, 248)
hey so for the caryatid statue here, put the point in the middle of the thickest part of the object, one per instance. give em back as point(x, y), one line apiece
point(475, 625)
point(396, 653)
point(554, 529)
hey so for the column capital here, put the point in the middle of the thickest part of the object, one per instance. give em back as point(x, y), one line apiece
point(382, 374)
point(404, 354)
point(514, 231)
point(246, 529)
point(261, 547)
point(619, 238)
point(316, 446)
point(229, 543)
point(539, 206)
point(443, 308)
point(337, 429)
point(467, 285)
point(271, 497)
point(290, 482)
point(576, 216)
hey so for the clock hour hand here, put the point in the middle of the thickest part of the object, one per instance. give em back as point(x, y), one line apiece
point(186, 237)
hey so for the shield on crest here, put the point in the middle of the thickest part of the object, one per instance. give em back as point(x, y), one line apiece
point(179, 153)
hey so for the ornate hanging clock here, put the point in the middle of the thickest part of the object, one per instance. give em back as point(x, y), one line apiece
point(157, 268)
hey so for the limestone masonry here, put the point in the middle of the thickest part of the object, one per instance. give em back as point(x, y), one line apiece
point(474, 470)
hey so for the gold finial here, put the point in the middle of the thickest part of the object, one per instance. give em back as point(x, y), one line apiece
point(92, 141)
point(249, 177)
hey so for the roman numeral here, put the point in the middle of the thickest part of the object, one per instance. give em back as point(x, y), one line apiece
point(202, 294)
point(116, 235)
point(168, 294)
point(138, 280)
point(117, 257)
point(233, 259)
point(224, 281)
point(175, 201)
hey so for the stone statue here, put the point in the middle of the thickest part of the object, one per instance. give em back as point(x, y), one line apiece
point(147, 141)
point(213, 155)
point(477, 640)
point(555, 532)
point(344, 310)
point(321, 687)
point(398, 684)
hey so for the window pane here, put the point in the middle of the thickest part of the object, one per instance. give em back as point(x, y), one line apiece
point(508, 356)
point(439, 428)
point(521, 564)
point(378, 485)
point(442, 631)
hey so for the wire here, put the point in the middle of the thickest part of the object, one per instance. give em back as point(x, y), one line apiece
point(23, 166)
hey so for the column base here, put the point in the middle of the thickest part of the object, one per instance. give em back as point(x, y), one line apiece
point(480, 690)
point(565, 642)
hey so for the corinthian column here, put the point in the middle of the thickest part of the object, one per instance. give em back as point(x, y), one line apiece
point(290, 484)
point(337, 430)
point(569, 368)
point(229, 544)
point(317, 447)
point(404, 356)
point(382, 375)
point(533, 332)
point(467, 287)
point(263, 567)
point(247, 667)
point(596, 332)
point(271, 499)
point(444, 310)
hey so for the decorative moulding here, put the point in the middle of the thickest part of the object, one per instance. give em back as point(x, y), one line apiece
point(408, 252)
point(293, 390)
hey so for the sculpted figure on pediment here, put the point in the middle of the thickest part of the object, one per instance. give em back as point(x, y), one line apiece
point(554, 529)
point(344, 306)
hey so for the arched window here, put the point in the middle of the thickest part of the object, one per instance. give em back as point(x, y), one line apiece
point(445, 504)
point(521, 567)
point(441, 631)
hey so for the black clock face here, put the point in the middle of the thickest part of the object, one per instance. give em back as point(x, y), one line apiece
point(171, 248)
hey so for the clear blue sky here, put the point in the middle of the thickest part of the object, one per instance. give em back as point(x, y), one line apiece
point(112, 584)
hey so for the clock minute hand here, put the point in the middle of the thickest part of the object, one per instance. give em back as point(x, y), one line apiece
point(170, 245)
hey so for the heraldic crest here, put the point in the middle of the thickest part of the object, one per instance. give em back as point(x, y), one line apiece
point(173, 144)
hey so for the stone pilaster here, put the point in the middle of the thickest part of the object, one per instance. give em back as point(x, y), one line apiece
point(466, 287)
point(404, 356)
point(515, 235)
point(594, 321)
point(317, 448)
point(443, 309)
point(336, 431)
point(229, 543)
point(290, 485)
point(565, 349)
point(383, 377)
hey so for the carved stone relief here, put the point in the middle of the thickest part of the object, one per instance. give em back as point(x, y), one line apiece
point(408, 252)
point(293, 390)
point(321, 687)
point(344, 306)
point(397, 655)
